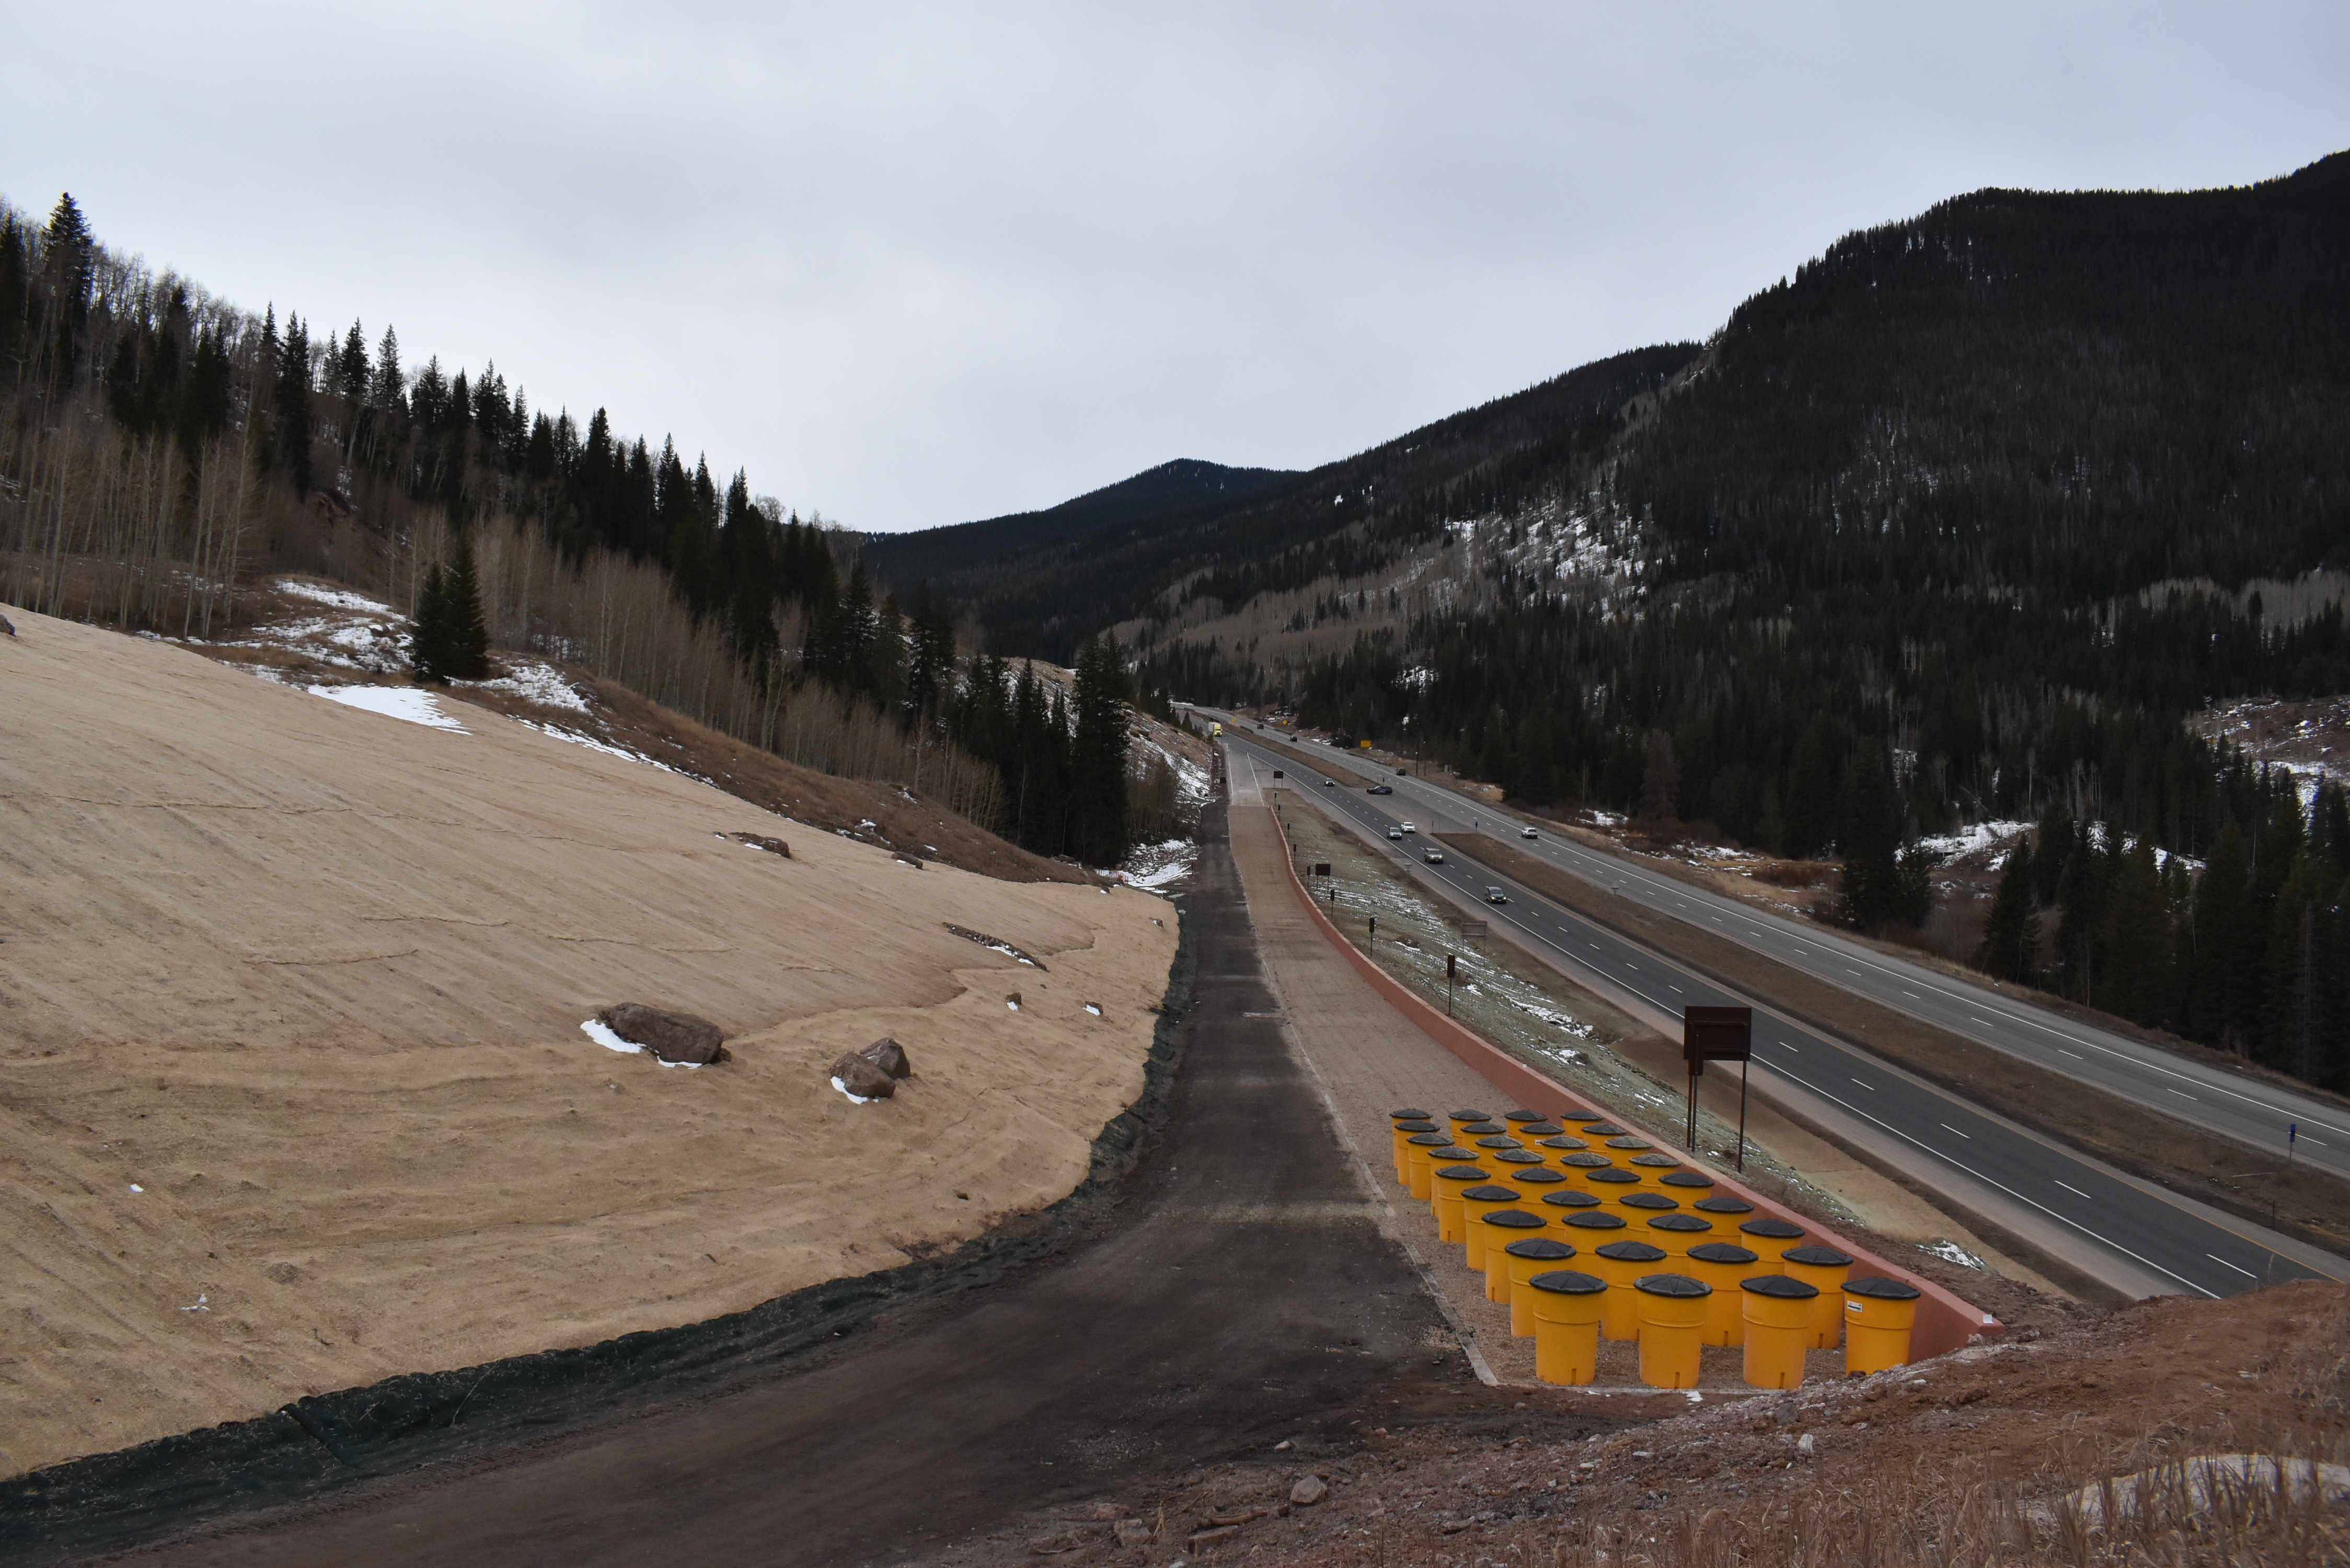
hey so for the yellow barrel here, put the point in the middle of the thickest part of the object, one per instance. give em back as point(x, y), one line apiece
point(1611, 1183)
point(1676, 1234)
point(1469, 1132)
point(1457, 1120)
point(1778, 1319)
point(1621, 1264)
point(1685, 1184)
point(1653, 1168)
point(1494, 1142)
point(1672, 1322)
point(1534, 1180)
point(1404, 1130)
point(1579, 1166)
point(1502, 1227)
point(1878, 1313)
point(1558, 1144)
point(1724, 1204)
point(1511, 1160)
point(1533, 1133)
point(1567, 1305)
point(1476, 1202)
point(1628, 1144)
point(1525, 1258)
point(1724, 1267)
point(1419, 1151)
point(1639, 1205)
point(1771, 1237)
point(1824, 1269)
point(1450, 1181)
point(1517, 1121)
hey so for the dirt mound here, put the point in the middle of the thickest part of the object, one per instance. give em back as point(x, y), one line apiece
point(295, 1092)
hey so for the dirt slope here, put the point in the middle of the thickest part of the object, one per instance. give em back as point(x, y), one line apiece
point(293, 1092)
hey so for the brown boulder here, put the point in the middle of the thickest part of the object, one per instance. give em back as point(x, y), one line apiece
point(861, 1076)
point(890, 1057)
point(670, 1036)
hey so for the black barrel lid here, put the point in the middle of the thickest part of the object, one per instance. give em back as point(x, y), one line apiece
point(1521, 1115)
point(1451, 1152)
point(1514, 1219)
point(1818, 1257)
point(1686, 1178)
point(1412, 1113)
point(1595, 1220)
point(1647, 1201)
point(1585, 1161)
point(1671, 1286)
point(1431, 1139)
point(1410, 1127)
point(1489, 1193)
point(1780, 1285)
point(1682, 1222)
point(1883, 1289)
point(1485, 1128)
point(1721, 1253)
point(1539, 1247)
point(1518, 1157)
point(1567, 1282)
point(1604, 1129)
point(1656, 1161)
point(1766, 1226)
point(1498, 1140)
point(1541, 1130)
point(1581, 1116)
point(1573, 1198)
point(1538, 1175)
point(1564, 1143)
point(1462, 1173)
point(1466, 1116)
point(1628, 1141)
point(1633, 1252)
point(1612, 1176)
point(1722, 1203)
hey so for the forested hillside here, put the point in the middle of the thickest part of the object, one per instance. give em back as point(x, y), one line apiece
point(1957, 525)
point(161, 449)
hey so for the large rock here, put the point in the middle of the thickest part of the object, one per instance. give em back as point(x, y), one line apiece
point(890, 1057)
point(670, 1036)
point(863, 1078)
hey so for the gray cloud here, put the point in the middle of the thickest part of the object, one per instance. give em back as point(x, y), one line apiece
point(914, 264)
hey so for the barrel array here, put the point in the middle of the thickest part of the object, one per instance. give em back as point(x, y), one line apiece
point(1587, 1232)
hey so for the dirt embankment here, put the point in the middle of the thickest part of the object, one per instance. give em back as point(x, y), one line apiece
point(2308, 1203)
point(293, 1091)
point(1963, 1459)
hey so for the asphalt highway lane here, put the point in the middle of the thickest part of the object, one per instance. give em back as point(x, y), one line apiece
point(2094, 1205)
point(2234, 1104)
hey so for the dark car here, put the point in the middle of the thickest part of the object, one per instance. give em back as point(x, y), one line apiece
point(1381, 789)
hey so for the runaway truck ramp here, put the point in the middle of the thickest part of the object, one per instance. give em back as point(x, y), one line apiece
point(1944, 1321)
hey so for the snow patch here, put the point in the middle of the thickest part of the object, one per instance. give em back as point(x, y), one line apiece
point(340, 598)
point(1156, 866)
point(407, 702)
point(537, 682)
point(853, 1099)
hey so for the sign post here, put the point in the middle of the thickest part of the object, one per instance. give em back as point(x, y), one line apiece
point(1718, 1034)
point(1451, 980)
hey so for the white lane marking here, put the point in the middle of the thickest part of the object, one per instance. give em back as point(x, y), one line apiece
point(1984, 1021)
point(1678, 987)
point(2319, 1142)
point(1913, 996)
point(1849, 971)
point(2180, 1093)
point(1870, 1087)
point(1990, 1181)
point(1968, 1136)
point(2225, 1264)
point(2074, 1054)
point(2077, 1191)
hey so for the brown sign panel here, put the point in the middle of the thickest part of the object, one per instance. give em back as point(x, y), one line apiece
point(1716, 1035)
point(1321, 868)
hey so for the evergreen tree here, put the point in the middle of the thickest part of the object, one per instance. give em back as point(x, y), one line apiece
point(2009, 944)
point(468, 655)
point(1098, 755)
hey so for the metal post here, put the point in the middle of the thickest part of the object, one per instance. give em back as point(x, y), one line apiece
point(1744, 1068)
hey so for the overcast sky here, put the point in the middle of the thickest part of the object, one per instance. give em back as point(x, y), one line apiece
point(912, 265)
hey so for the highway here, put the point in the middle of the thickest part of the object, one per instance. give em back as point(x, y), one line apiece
point(2236, 1105)
point(2116, 1228)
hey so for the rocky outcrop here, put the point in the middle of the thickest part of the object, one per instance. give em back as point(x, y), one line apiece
point(670, 1036)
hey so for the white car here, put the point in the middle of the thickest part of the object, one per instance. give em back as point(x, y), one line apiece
point(1395, 833)
point(1528, 833)
point(1408, 827)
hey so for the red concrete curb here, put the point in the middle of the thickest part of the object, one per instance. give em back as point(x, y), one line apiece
point(1945, 1321)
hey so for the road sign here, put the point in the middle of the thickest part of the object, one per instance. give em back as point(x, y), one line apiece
point(1718, 1034)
